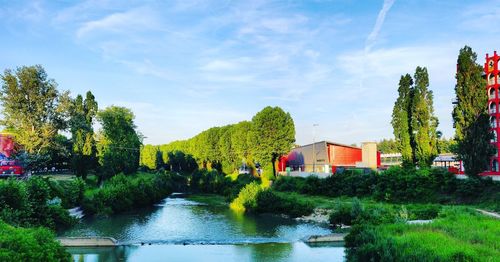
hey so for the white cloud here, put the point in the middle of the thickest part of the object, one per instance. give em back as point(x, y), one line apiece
point(134, 20)
point(372, 37)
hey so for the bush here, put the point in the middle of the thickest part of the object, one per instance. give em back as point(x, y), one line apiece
point(247, 198)
point(122, 192)
point(36, 244)
point(28, 203)
point(269, 201)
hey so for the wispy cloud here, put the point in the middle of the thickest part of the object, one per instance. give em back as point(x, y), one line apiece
point(124, 22)
point(372, 37)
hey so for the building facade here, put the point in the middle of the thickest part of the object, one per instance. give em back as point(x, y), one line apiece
point(326, 157)
point(491, 73)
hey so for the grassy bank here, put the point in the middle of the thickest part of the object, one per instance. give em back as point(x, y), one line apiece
point(458, 234)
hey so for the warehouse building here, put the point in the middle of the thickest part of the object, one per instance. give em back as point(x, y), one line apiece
point(325, 158)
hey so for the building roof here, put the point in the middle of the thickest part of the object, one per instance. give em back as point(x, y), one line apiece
point(329, 143)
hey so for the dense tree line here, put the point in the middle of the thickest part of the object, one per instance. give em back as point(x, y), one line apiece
point(269, 135)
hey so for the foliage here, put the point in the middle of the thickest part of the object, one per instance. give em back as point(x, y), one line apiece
point(413, 120)
point(273, 134)
point(247, 198)
point(268, 201)
point(457, 235)
point(32, 107)
point(401, 119)
point(470, 117)
point(398, 185)
point(387, 146)
point(29, 244)
point(82, 114)
point(423, 122)
point(121, 193)
point(27, 203)
point(119, 143)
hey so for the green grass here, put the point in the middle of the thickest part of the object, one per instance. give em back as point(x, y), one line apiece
point(459, 234)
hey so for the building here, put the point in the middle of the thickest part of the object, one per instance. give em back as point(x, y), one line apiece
point(325, 157)
point(491, 73)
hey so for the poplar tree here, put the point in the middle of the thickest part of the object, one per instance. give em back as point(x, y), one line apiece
point(401, 120)
point(470, 117)
point(83, 113)
point(423, 124)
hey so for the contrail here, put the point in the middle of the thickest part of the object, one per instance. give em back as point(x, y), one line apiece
point(370, 41)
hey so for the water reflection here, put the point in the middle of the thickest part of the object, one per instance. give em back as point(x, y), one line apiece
point(272, 252)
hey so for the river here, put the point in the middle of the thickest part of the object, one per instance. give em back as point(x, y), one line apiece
point(179, 229)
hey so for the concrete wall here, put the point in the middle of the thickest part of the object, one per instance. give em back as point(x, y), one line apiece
point(369, 152)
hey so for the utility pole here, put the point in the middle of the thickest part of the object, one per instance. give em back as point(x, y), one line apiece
point(314, 147)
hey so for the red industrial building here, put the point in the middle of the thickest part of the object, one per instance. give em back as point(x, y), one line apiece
point(325, 157)
point(491, 73)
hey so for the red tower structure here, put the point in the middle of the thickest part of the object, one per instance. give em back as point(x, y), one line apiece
point(491, 73)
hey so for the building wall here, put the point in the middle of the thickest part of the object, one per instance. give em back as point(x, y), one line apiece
point(344, 156)
point(492, 75)
point(370, 156)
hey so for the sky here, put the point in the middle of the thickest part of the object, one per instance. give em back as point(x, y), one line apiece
point(185, 66)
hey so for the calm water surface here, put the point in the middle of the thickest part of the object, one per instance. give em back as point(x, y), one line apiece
point(182, 230)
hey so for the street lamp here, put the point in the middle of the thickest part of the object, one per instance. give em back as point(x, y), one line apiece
point(314, 148)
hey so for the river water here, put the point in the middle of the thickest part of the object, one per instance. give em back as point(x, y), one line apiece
point(182, 230)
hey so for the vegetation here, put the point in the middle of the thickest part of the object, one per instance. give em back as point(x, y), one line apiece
point(270, 135)
point(457, 235)
point(121, 193)
point(273, 135)
point(470, 116)
point(119, 143)
point(413, 120)
point(29, 244)
point(82, 114)
point(32, 203)
point(32, 107)
point(399, 185)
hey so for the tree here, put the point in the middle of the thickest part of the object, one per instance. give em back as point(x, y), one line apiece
point(148, 156)
point(81, 122)
point(387, 146)
point(273, 134)
point(119, 143)
point(470, 117)
point(31, 107)
point(401, 120)
point(423, 124)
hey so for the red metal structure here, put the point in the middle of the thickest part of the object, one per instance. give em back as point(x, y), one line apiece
point(492, 87)
point(8, 166)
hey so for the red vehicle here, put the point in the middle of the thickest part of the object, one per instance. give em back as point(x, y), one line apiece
point(10, 168)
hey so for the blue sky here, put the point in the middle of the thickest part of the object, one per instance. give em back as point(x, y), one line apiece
point(188, 65)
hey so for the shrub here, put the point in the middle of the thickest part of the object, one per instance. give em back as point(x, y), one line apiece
point(33, 244)
point(270, 202)
point(247, 198)
point(122, 192)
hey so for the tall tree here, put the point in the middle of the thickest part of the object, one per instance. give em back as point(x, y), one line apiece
point(401, 119)
point(273, 134)
point(119, 142)
point(83, 113)
point(470, 117)
point(423, 123)
point(30, 106)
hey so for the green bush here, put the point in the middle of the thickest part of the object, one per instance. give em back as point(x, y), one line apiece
point(122, 192)
point(30, 244)
point(28, 203)
point(247, 198)
point(268, 201)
